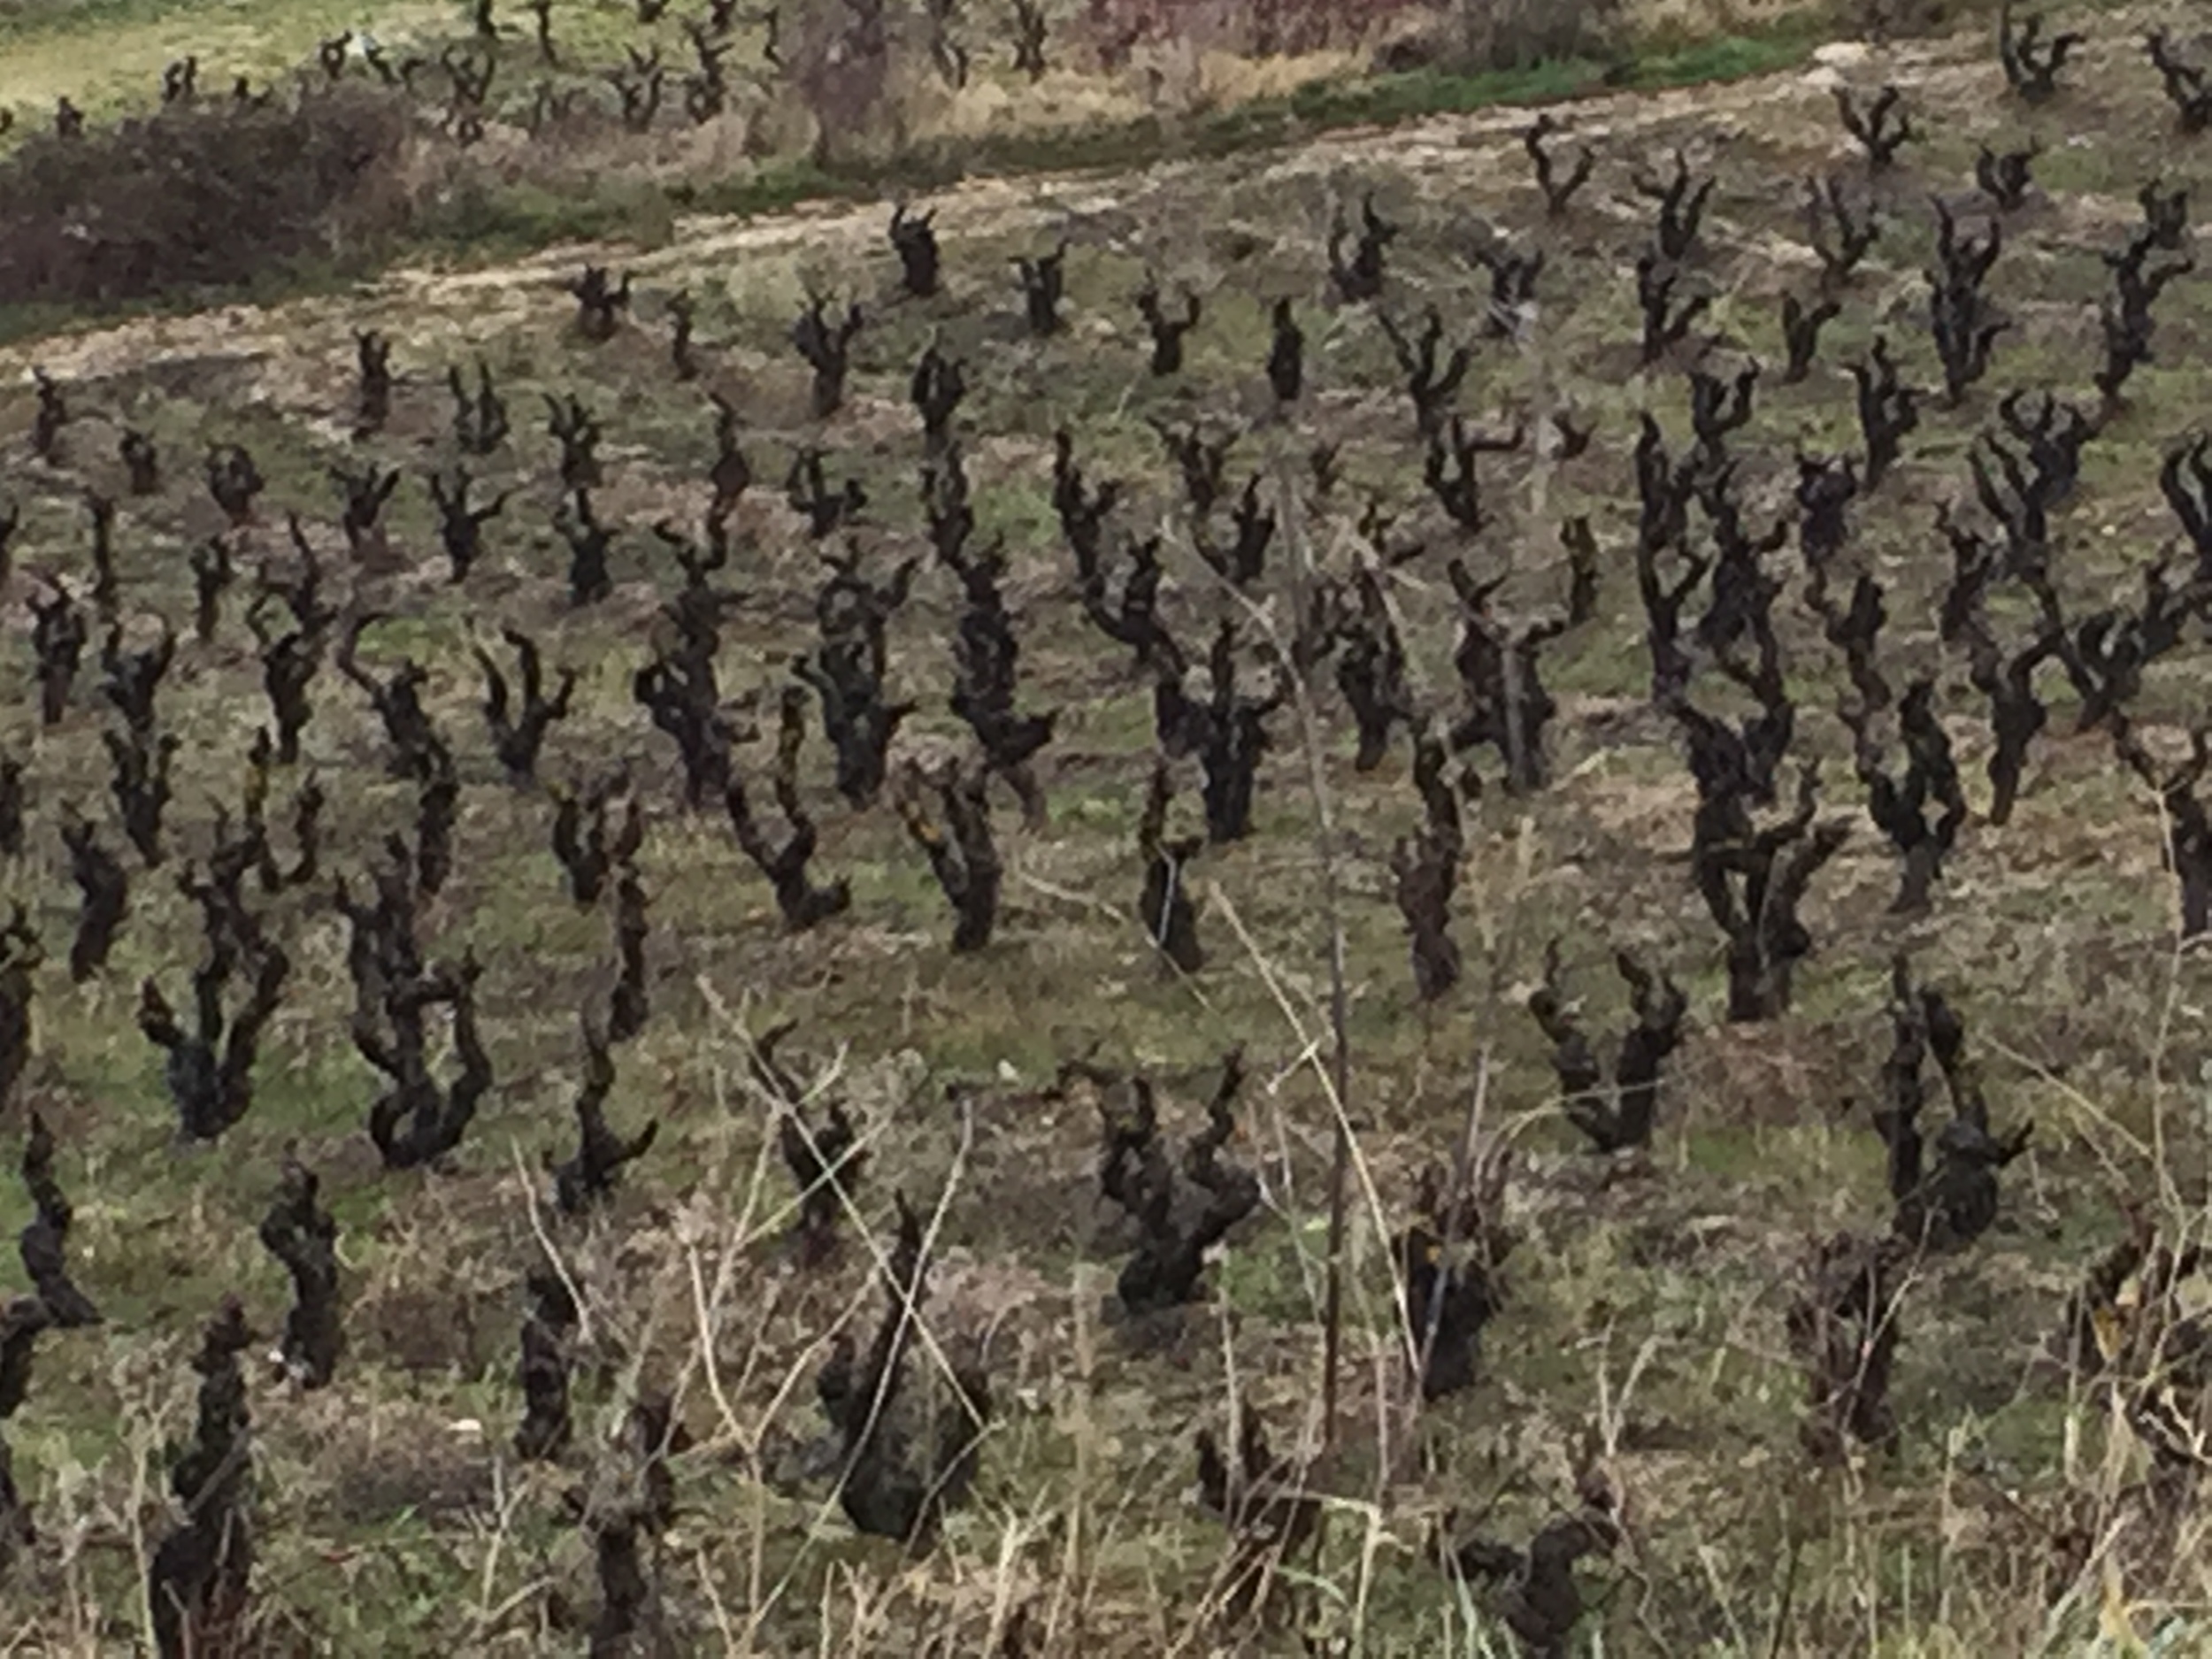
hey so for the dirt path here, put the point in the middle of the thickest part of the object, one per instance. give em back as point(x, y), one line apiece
point(1435, 155)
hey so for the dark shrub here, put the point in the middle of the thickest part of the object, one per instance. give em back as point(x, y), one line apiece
point(198, 195)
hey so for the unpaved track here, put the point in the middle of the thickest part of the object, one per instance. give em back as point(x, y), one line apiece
point(1435, 157)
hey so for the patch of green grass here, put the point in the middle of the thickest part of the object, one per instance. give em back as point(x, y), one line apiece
point(1385, 99)
point(484, 220)
point(27, 19)
point(1270, 1274)
point(107, 56)
point(1729, 57)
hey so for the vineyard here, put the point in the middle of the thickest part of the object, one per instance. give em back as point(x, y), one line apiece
point(1438, 893)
